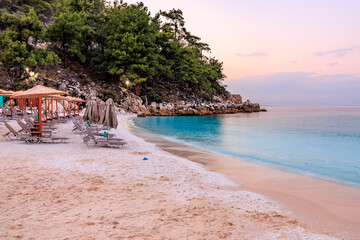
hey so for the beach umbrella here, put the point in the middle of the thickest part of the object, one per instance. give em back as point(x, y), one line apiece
point(58, 99)
point(108, 117)
point(38, 91)
point(5, 93)
point(101, 106)
point(89, 111)
point(77, 101)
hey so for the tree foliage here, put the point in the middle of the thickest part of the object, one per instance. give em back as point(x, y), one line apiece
point(43, 8)
point(19, 38)
point(129, 44)
point(72, 32)
point(119, 41)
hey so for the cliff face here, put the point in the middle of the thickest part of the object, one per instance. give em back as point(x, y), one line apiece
point(81, 83)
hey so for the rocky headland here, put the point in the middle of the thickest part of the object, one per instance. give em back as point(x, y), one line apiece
point(82, 84)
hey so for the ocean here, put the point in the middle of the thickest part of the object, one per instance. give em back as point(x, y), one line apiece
point(323, 142)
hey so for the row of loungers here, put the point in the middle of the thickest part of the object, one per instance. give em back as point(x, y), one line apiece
point(26, 133)
point(6, 114)
point(94, 134)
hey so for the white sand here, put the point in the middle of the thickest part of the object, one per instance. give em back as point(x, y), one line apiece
point(71, 191)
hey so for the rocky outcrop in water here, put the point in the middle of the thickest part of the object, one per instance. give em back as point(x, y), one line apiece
point(196, 109)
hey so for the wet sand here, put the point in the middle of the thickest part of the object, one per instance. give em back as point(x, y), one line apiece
point(321, 205)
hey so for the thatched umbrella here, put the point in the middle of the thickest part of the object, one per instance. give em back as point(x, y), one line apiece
point(57, 99)
point(76, 101)
point(38, 91)
point(4, 93)
point(108, 118)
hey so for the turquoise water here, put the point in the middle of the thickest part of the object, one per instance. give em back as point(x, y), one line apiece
point(317, 141)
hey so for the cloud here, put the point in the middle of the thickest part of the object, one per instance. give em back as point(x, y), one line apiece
point(336, 77)
point(298, 88)
point(333, 64)
point(337, 53)
point(254, 54)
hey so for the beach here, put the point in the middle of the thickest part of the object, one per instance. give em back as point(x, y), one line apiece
point(325, 205)
point(72, 191)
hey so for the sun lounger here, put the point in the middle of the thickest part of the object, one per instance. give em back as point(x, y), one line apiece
point(13, 135)
point(52, 140)
point(31, 124)
point(103, 142)
point(33, 131)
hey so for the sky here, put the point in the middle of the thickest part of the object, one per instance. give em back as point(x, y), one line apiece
point(280, 52)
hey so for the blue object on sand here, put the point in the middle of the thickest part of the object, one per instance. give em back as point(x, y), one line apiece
point(144, 159)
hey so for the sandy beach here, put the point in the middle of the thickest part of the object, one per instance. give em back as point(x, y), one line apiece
point(324, 205)
point(72, 191)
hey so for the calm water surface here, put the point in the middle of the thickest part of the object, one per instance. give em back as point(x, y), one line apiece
point(317, 141)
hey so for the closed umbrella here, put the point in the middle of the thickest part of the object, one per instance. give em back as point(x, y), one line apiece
point(108, 117)
point(89, 112)
point(97, 111)
point(101, 108)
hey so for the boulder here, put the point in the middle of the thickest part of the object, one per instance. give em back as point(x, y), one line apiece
point(141, 114)
point(153, 108)
point(236, 98)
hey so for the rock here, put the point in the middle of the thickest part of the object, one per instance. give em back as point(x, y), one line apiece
point(237, 99)
point(63, 87)
point(247, 103)
point(217, 99)
point(40, 77)
point(153, 108)
point(141, 114)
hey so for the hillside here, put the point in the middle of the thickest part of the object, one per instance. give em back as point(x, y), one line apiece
point(88, 47)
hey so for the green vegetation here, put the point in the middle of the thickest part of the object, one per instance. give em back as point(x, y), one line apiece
point(21, 33)
point(107, 93)
point(43, 8)
point(122, 42)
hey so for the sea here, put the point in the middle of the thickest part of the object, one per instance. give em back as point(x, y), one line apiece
point(322, 142)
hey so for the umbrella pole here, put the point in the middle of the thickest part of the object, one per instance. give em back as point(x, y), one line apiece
point(11, 110)
point(64, 109)
point(57, 110)
point(45, 110)
point(52, 112)
point(39, 116)
point(107, 135)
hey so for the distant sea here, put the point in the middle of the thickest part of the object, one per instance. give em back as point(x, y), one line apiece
point(319, 141)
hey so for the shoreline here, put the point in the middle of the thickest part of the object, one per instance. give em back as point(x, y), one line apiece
point(325, 205)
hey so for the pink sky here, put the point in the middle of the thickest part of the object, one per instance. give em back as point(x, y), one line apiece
point(257, 40)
